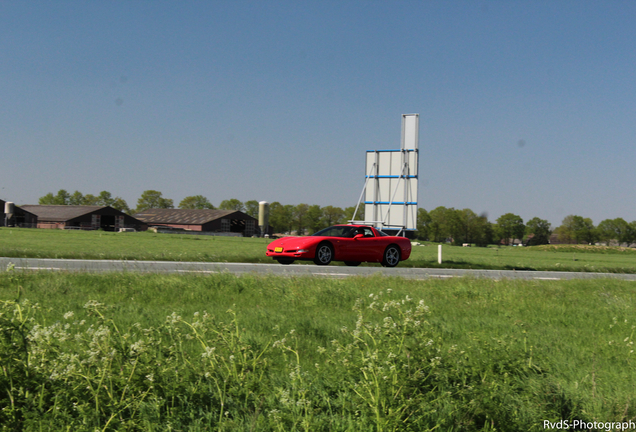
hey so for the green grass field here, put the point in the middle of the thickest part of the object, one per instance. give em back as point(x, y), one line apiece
point(175, 247)
point(162, 352)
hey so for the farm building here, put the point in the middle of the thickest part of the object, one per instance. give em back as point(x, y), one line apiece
point(21, 218)
point(83, 217)
point(212, 221)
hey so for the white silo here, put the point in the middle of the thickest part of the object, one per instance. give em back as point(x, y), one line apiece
point(263, 217)
point(9, 209)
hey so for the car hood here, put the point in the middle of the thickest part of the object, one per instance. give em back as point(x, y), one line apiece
point(289, 242)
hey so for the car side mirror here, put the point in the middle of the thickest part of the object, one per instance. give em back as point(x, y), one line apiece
point(357, 236)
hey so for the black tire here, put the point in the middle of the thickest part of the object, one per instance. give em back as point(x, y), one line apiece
point(391, 256)
point(324, 254)
point(285, 261)
point(352, 263)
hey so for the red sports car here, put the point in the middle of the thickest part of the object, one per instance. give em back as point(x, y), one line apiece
point(352, 244)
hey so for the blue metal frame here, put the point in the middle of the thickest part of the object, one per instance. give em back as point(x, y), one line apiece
point(390, 176)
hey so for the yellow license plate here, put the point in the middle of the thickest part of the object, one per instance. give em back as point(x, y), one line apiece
point(278, 249)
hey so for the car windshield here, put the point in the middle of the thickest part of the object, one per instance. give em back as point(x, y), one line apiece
point(338, 231)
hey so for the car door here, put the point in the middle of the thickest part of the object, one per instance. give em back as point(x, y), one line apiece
point(345, 247)
point(369, 247)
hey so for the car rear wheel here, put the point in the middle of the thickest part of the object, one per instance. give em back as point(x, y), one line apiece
point(324, 254)
point(352, 263)
point(285, 261)
point(391, 256)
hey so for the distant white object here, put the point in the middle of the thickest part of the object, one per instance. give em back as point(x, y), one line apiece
point(439, 254)
point(263, 216)
point(127, 230)
point(9, 209)
point(266, 235)
point(466, 245)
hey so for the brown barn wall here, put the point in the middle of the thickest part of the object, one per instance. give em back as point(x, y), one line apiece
point(51, 225)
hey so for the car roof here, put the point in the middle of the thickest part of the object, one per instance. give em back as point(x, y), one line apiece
point(354, 225)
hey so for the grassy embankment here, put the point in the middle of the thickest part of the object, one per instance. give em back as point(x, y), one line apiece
point(176, 247)
point(157, 352)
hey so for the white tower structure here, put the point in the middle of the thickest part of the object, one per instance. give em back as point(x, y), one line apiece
point(390, 187)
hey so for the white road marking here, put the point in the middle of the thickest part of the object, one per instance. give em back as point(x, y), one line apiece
point(547, 278)
point(196, 271)
point(38, 268)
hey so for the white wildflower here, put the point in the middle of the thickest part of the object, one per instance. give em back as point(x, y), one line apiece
point(173, 318)
point(208, 352)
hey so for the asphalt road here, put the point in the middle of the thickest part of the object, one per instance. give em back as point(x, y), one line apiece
point(287, 270)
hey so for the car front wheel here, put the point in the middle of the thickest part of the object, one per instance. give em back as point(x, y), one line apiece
point(391, 256)
point(324, 254)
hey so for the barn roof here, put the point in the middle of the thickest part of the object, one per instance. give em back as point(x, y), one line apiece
point(60, 213)
point(182, 216)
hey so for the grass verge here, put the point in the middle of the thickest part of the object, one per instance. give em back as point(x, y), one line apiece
point(163, 352)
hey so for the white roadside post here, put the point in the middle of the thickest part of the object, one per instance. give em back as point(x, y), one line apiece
point(439, 254)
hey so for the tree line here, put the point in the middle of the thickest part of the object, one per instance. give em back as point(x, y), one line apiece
point(441, 224)
point(464, 226)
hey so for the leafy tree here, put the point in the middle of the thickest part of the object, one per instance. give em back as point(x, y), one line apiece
point(48, 199)
point(565, 231)
point(422, 224)
point(614, 229)
point(486, 232)
point(121, 205)
point(289, 218)
point(90, 199)
point(105, 198)
point(274, 214)
point(584, 230)
point(251, 208)
point(61, 198)
point(314, 219)
point(445, 223)
point(471, 226)
point(436, 226)
point(76, 199)
point(196, 202)
point(332, 215)
point(152, 199)
point(348, 213)
point(510, 226)
point(280, 217)
point(540, 229)
point(232, 204)
point(631, 229)
point(605, 231)
point(299, 212)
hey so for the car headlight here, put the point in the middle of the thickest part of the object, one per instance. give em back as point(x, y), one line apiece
point(302, 250)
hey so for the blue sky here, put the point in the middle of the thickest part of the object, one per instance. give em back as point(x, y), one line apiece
point(525, 107)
